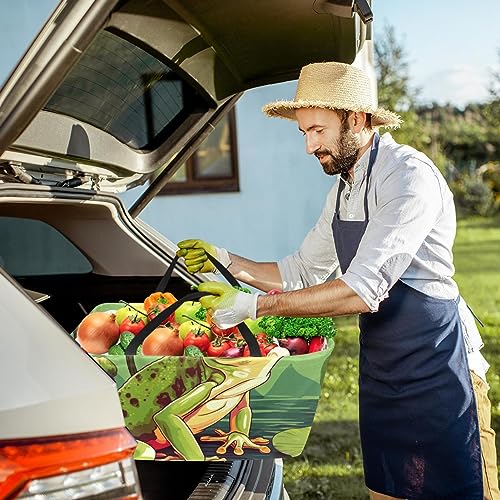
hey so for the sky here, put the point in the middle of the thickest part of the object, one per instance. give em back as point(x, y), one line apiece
point(452, 46)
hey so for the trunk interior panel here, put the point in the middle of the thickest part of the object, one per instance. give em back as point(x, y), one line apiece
point(73, 296)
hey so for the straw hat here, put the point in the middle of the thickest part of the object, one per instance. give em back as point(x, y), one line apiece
point(333, 85)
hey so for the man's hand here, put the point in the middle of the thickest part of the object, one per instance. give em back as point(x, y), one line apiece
point(229, 306)
point(195, 255)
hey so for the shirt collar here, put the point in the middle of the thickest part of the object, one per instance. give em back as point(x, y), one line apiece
point(362, 164)
point(360, 168)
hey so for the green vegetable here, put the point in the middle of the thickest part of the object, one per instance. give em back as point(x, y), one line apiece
point(201, 314)
point(125, 339)
point(193, 352)
point(107, 365)
point(116, 350)
point(281, 327)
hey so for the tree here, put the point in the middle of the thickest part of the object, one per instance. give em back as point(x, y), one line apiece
point(396, 94)
point(394, 90)
point(492, 108)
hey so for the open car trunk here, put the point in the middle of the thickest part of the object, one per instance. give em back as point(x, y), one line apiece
point(95, 253)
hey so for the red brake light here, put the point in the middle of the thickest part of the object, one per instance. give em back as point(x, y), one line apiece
point(23, 460)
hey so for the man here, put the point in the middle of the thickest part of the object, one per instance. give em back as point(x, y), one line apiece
point(388, 227)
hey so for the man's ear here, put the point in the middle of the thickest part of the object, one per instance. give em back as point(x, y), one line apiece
point(357, 121)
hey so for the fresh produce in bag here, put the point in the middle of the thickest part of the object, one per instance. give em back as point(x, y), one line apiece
point(192, 391)
point(104, 332)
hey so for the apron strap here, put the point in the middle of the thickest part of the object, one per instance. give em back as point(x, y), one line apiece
point(371, 161)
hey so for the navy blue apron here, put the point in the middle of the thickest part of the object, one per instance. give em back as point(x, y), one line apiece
point(417, 414)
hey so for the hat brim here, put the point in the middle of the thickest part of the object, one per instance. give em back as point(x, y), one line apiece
point(286, 109)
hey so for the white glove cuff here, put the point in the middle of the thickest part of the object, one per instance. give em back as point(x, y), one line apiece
point(244, 307)
point(252, 306)
point(223, 256)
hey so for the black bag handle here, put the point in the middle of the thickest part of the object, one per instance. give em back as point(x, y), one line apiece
point(162, 285)
point(249, 337)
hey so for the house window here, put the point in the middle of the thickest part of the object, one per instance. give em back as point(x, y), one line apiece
point(214, 165)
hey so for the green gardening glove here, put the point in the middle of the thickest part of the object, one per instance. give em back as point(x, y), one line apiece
point(195, 255)
point(228, 306)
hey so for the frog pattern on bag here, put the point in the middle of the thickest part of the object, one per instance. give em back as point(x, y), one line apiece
point(168, 405)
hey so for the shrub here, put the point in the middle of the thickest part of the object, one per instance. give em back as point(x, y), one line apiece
point(490, 174)
point(473, 196)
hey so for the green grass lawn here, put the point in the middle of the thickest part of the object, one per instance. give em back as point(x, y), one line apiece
point(331, 466)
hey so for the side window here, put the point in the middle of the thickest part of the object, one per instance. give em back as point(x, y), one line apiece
point(31, 247)
point(214, 165)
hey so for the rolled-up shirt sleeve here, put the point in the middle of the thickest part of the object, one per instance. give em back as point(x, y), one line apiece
point(316, 260)
point(408, 204)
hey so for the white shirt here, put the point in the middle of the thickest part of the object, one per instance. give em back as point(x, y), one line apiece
point(409, 236)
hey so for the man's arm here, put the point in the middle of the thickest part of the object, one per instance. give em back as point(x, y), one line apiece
point(333, 298)
point(262, 275)
point(230, 306)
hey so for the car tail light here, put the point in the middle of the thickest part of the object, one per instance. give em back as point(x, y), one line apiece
point(90, 465)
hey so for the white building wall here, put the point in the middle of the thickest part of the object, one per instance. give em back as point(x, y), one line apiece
point(282, 189)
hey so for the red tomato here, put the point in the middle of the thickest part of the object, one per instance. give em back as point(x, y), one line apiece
point(132, 324)
point(237, 336)
point(246, 351)
point(269, 347)
point(200, 339)
point(316, 344)
point(218, 347)
point(236, 341)
point(154, 311)
point(223, 332)
point(261, 338)
point(274, 291)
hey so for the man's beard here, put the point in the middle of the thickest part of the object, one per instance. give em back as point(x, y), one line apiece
point(347, 147)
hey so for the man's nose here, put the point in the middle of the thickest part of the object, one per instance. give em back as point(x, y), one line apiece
point(311, 145)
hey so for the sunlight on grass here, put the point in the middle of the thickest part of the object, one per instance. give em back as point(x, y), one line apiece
point(331, 465)
point(326, 481)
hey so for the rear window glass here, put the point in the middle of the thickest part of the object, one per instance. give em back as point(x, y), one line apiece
point(31, 247)
point(120, 88)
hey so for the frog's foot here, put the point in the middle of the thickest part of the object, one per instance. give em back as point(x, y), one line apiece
point(238, 441)
point(168, 458)
point(215, 459)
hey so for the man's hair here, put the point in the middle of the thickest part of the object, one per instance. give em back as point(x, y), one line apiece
point(343, 114)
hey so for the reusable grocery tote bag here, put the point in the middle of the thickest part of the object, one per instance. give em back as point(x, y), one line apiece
point(199, 408)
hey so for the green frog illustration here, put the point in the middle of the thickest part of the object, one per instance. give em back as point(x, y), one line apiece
point(169, 403)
